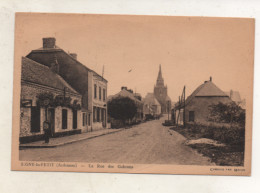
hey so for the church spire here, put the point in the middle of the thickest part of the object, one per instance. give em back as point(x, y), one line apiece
point(160, 81)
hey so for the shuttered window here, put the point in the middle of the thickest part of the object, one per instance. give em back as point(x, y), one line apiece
point(64, 118)
point(35, 119)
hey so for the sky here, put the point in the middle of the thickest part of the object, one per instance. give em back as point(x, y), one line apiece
point(189, 49)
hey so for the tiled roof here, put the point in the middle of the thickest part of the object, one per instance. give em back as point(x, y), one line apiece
point(40, 74)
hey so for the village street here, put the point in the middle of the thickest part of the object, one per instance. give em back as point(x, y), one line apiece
point(147, 143)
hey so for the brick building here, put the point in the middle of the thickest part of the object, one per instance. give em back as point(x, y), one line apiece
point(85, 81)
point(39, 80)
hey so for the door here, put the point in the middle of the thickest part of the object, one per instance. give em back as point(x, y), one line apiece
point(51, 120)
point(104, 117)
point(75, 119)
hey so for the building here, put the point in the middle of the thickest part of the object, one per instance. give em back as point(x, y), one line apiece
point(197, 104)
point(88, 83)
point(151, 106)
point(98, 100)
point(133, 96)
point(235, 96)
point(160, 93)
point(64, 112)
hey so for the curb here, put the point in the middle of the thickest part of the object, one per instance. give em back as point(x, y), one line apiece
point(64, 143)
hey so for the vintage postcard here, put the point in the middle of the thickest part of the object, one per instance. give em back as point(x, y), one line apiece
point(133, 94)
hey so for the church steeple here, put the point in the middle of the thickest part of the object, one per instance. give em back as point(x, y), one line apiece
point(160, 81)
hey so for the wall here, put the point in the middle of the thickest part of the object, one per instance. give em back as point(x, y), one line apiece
point(96, 102)
point(30, 91)
point(200, 106)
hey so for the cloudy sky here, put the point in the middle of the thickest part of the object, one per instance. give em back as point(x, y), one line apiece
point(190, 49)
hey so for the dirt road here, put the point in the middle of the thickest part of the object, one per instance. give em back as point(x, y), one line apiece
point(147, 143)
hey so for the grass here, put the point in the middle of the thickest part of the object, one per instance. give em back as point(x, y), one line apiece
point(232, 154)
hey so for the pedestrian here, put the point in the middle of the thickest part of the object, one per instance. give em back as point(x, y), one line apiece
point(46, 129)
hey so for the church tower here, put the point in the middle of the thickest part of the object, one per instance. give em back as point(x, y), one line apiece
point(160, 92)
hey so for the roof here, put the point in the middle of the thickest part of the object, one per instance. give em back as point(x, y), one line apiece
point(150, 99)
point(210, 89)
point(234, 96)
point(58, 49)
point(167, 98)
point(124, 93)
point(40, 74)
point(207, 89)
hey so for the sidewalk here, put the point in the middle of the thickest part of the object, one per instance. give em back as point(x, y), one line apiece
point(55, 142)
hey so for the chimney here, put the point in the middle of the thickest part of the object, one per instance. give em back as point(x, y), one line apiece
point(73, 55)
point(123, 88)
point(130, 90)
point(210, 79)
point(49, 42)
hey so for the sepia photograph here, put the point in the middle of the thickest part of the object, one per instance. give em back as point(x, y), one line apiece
point(133, 94)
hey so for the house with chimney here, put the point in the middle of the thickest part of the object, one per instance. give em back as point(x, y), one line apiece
point(40, 84)
point(85, 81)
point(196, 107)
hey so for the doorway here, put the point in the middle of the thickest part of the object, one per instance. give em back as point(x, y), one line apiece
point(75, 119)
point(51, 120)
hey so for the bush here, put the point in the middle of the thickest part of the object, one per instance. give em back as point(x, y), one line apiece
point(227, 113)
point(234, 136)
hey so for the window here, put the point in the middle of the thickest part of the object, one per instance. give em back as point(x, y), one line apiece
point(83, 119)
point(104, 94)
point(89, 119)
point(95, 91)
point(98, 114)
point(94, 114)
point(191, 116)
point(64, 118)
point(99, 93)
point(35, 119)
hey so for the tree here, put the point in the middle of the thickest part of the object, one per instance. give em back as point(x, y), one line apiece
point(227, 113)
point(122, 108)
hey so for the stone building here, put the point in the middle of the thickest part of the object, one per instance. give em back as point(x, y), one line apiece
point(38, 81)
point(88, 83)
point(197, 104)
point(160, 93)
